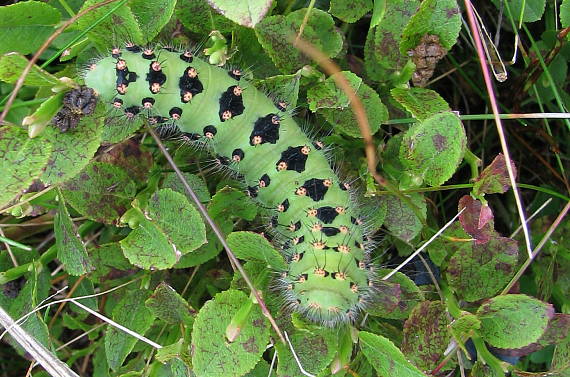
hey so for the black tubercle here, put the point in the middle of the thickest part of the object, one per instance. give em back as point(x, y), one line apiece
point(210, 131)
point(296, 226)
point(189, 82)
point(316, 188)
point(132, 111)
point(124, 76)
point(285, 205)
point(155, 75)
point(274, 221)
point(264, 181)
point(147, 102)
point(294, 158)
point(231, 103)
point(235, 74)
point(318, 145)
point(190, 136)
point(265, 130)
point(176, 113)
point(222, 160)
point(148, 54)
point(281, 105)
point(330, 231)
point(238, 155)
point(187, 56)
point(326, 214)
point(133, 48)
point(252, 191)
point(156, 119)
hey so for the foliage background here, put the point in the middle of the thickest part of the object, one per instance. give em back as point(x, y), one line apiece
point(74, 202)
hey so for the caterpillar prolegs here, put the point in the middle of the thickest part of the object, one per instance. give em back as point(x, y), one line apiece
point(329, 276)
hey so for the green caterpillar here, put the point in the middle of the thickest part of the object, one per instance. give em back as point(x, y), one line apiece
point(329, 277)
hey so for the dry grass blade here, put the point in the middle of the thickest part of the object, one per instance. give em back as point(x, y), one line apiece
point(331, 68)
point(42, 355)
point(498, 123)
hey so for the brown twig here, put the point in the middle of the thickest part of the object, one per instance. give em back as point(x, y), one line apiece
point(331, 69)
point(218, 233)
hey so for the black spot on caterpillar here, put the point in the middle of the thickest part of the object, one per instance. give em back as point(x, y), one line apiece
point(328, 278)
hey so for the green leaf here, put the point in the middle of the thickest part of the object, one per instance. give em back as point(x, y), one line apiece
point(70, 248)
point(432, 150)
point(202, 254)
point(199, 17)
point(213, 355)
point(382, 57)
point(513, 321)
point(350, 11)
point(26, 25)
point(152, 15)
point(478, 271)
point(148, 247)
point(73, 149)
point(386, 357)
point(533, 9)
point(435, 17)
point(12, 65)
point(118, 129)
point(315, 349)
point(166, 304)
point(561, 359)
point(254, 247)
point(378, 12)
point(21, 161)
point(282, 87)
point(231, 202)
point(134, 315)
point(33, 291)
point(172, 227)
point(274, 34)
point(400, 219)
point(425, 335)
point(197, 184)
point(395, 300)
point(178, 219)
point(463, 326)
point(330, 101)
point(247, 13)
point(421, 103)
point(109, 262)
point(101, 191)
point(122, 22)
point(565, 13)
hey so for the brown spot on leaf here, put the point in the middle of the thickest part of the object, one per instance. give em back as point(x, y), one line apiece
point(250, 346)
point(439, 142)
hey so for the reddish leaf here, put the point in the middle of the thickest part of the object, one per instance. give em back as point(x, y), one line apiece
point(129, 156)
point(476, 219)
point(494, 178)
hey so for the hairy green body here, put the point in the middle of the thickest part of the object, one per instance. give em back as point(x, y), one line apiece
point(314, 220)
